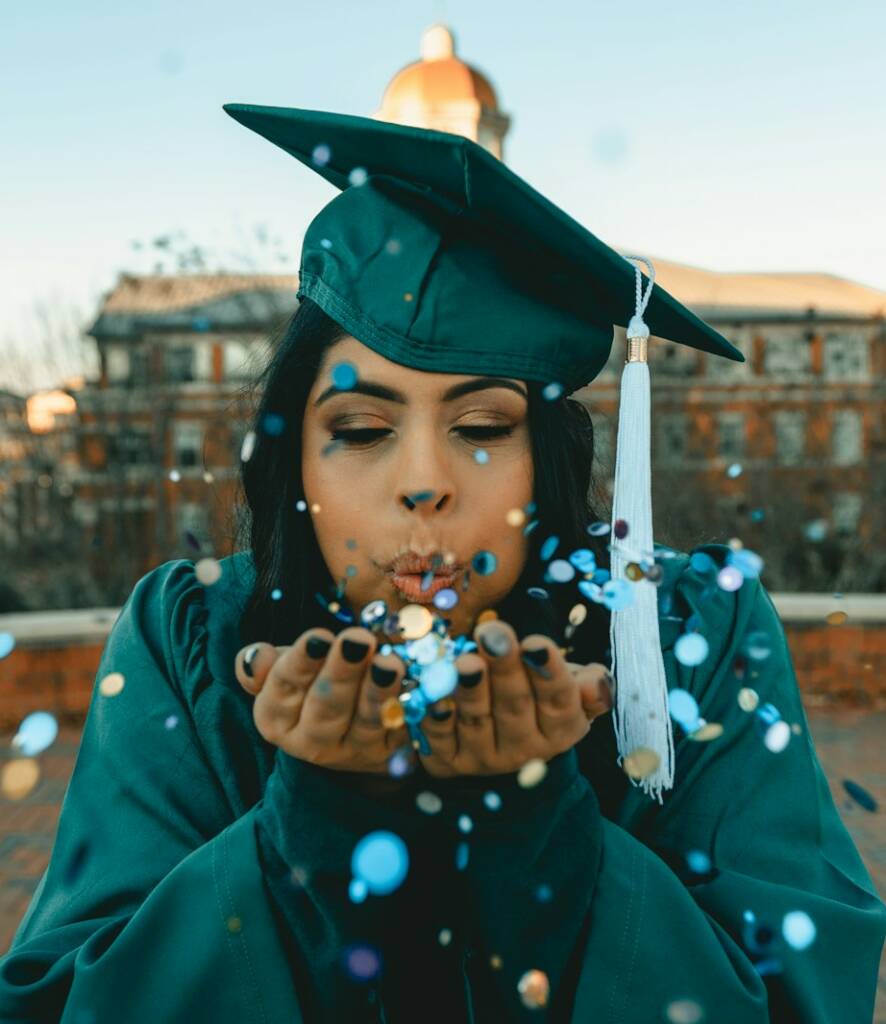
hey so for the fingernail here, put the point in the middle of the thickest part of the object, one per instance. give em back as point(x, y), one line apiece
point(537, 657)
point(469, 679)
point(317, 646)
point(248, 659)
point(382, 676)
point(440, 714)
point(495, 642)
point(354, 650)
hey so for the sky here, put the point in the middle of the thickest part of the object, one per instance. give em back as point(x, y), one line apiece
point(733, 137)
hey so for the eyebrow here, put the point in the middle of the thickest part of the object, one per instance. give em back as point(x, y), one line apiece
point(374, 390)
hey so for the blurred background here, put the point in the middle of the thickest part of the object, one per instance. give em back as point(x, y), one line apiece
point(151, 253)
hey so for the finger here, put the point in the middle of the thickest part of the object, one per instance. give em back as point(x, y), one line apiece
point(513, 700)
point(253, 663)
point(381, 683)
point(331, 701)
point(595, 689)
point(555, 685)
point(279, 702)
point(473, 726)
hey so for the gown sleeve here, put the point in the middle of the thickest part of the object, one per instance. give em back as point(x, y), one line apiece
point(153, 906)
point(677, 912)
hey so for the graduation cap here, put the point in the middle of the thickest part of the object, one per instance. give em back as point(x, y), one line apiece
point(437, 256)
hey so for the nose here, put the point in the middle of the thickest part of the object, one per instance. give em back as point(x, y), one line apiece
point(424, 481)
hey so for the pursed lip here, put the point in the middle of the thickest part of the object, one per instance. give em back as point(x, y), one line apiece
point(409, 584)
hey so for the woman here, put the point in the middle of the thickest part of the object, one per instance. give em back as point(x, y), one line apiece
point(252, 832)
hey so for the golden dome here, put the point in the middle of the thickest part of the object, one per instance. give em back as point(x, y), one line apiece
point(438, 79)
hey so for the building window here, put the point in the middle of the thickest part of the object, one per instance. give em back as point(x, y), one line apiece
point(846, 511)
point(117, 363)
point(790, 436)
point(139, 366)
point(180, 364)
point(786, 356)
point(192, 518)
point(845, 356)
point(188, 443)
point(131, 448)
point(673, 360)
point(239, 359)
point(672, 431)
point(730, 435)
point(846, 437)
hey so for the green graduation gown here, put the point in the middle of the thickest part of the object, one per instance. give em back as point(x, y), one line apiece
point(200, 874)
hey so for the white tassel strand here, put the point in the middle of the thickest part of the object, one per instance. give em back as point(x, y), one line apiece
point(641, 715)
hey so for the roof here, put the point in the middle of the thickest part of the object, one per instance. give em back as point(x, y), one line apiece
point(158, 292)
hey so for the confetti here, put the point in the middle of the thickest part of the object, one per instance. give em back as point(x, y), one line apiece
point(641, 762)
point(428, 802)
point(208, 571)
point(358, 176)
point(362, 963)
point(684, 1011)
point(7, 644)
point(37, 732)
point(532, 773)
point(380, 861)
point(691, 649)
point(112, 684)
point(860, 795)
point(748, 699)
point(18, 777)
point(798, 929)
point(534, 989)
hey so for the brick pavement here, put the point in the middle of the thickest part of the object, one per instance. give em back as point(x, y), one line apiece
point(849, 743)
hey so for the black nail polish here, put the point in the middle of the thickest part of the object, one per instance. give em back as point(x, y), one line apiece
point(382, 676)
point(495, 642)
point(317, 646)
point(469, 679)
point(440, 714)
point(248, 659)
point(354, 650)
point(538, 656)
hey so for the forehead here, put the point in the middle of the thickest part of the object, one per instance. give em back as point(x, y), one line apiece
point(375, 367)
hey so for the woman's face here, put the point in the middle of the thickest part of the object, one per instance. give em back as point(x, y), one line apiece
point(412, 480)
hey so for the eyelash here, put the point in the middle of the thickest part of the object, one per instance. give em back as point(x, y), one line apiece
point(350, 437)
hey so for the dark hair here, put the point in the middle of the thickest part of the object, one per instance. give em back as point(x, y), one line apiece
point(284, 548)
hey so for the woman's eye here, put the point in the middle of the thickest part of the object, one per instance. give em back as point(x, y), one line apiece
point(369, 434)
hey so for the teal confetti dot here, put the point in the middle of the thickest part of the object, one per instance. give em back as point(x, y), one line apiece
point(7, 644)
point(325, 243)
point(276, 594)
point(492, 800)
point(380, 860)
point(552, 391)
point(561, 571)
point(549, 547)
point(273, 424)
point(734, 470)
point(37, 732)
point(344, 376)
point(617, 594)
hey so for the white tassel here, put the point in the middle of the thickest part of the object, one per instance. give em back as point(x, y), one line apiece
point(641, 715)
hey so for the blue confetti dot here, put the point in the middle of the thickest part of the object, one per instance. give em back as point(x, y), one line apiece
point(798, 929)
point(539, 593)
point(492, 800)
point(481, 456)
point(344, 376)
point(439, 680)
point(7, 644)
point(748, 563)
point(549, 547)
point(445, 599)
point(325, 243)
point(36, 733)
point(484, 563)
point(683, 708)
point(273, 424)
point(617, 594)
point(276, 594)
point(552, 391)
point(691, 649)
point(358, 890)
point(544, 893)
point(583, 559)
point(698, 861)
point(860, 795)
point(461, 856)
point(701, 563)
point(380, 860)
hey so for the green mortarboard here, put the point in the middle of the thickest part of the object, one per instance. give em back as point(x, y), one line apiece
point(439, 257)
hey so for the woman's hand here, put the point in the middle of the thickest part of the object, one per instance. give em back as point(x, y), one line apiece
point(320, 706)
point(513, 712)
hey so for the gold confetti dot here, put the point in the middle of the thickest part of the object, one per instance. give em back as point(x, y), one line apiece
point(641, 762)
point(495, 962)
point(515, 517)
point(577, 614)
point(532, 773)
point(748, 699)
point(445, 937)
point(19, 777)
point(709, 731)
point(796, 728)
point(234, 925)
point(112, 684)
point(208, 571)
point(315, 508)
point(392, 713)
point(415, 621)
point(534, 989)
point(334, 606)
point(684, 1011)
point(836, 618)
point(408, 297)
point(487, 615)
point(633, 572)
